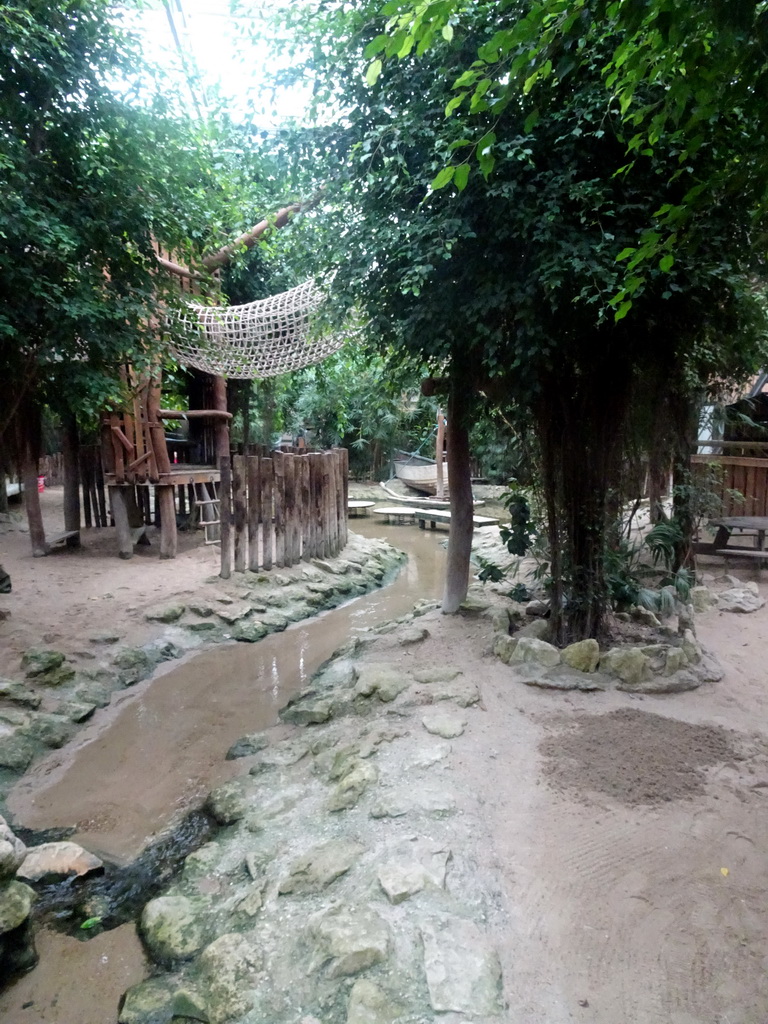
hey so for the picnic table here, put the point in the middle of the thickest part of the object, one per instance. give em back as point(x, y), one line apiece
point(738, 527)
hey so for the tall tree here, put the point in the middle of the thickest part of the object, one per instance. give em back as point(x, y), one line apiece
point(507, 278)
point(99, 163)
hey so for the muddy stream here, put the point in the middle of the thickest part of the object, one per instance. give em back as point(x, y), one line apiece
point(154, 755)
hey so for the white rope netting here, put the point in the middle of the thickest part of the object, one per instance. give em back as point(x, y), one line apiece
point(258, 339)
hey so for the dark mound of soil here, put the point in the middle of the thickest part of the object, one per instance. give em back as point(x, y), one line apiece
point(635, 757)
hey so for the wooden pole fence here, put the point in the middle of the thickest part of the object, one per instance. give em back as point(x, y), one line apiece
point(280, 508)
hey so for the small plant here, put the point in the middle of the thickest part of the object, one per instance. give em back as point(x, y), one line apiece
point(521, 533)
point(490, 572)
point(520, 593)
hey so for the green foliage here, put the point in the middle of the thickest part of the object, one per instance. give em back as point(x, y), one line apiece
point(97, 162)
point(490, 572)
point(687, 75)
point(521, 532)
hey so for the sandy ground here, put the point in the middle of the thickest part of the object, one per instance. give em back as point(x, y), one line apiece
point(626, 835)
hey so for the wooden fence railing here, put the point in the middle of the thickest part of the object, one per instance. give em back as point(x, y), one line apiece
point(739, 481)
point(280, 509)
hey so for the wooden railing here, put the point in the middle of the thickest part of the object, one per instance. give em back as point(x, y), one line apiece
point(737, 472)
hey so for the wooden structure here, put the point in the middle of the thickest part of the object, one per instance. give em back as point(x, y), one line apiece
point(281, 508)
point(737, 471)
point(136, 458)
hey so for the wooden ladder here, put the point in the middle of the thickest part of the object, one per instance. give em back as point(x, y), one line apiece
point(207, 501)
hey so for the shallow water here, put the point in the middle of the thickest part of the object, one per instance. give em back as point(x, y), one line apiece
point(160, 748)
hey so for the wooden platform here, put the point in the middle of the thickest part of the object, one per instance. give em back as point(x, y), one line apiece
point(180, 474)
point(359, 508)
point(433, 516)
point(396, 513)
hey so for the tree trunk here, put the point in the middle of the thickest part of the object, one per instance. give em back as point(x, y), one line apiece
point(27, 423)
point(71, 453)
point(29, 465)
point(683, 493)
point(580, 425)
point(460, 490)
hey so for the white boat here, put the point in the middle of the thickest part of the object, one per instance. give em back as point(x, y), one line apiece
point(419, 473)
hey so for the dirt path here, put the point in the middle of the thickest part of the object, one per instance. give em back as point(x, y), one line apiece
point(623, 837)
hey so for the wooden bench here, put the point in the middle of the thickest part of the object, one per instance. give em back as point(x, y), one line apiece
point(743, 553)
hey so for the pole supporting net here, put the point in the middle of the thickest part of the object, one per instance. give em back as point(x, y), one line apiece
point(255, 340)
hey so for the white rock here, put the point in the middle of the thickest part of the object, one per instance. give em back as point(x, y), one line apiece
point(59, 860)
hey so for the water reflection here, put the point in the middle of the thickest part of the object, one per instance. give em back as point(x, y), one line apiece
point(156, 753)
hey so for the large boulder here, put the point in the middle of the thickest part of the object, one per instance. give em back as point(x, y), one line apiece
point(446, 724)
point(348, 941)
point(12, 851)
point(19, 693)
point(739, 599)
point(172, 929)
point(529, 650)
point(352, 786)
point(15, 904)
point(628, 664)
point(227, 969)
point(384, 681)
point(321, 866)
point(16, 751)
point(583, 656)
point(38, 662)
point(229, 802)
point(165, 613)
point(370, 1004)
point(53, 861)
point(462, 969)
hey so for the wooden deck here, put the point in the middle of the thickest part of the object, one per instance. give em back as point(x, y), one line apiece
point(433, 516)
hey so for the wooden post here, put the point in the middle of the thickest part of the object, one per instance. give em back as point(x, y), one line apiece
point(279, 487)
point(71, 453)
point(266, 473)
point(341, 505)
point(325, 505)
point(439, 448)
point(306, 518)
point(345, 494)
point(222, 426)
point(164, 493)
point(100, 493)
point(289, 475)
point(460, 489)
point(315, 484)
point(86, 474)
point(225, 514)
point(253, 477)
point(118, 498)
point(240, 496)
point(165, 497)
point(331, 521)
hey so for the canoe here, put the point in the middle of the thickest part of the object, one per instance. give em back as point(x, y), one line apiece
point(419, 473)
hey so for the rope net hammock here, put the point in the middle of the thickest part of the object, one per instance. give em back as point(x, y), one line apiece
point(255, 340)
